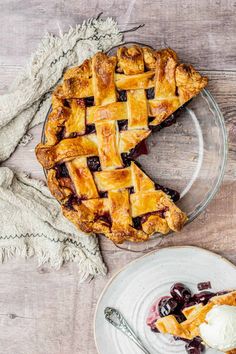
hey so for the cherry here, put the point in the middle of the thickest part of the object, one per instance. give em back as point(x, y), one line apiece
point(203, 297)
point(180, 293)
point(194, 347)
point(167, 306)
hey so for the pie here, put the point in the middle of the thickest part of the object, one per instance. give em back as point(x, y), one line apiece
point(182, 313)
point(101, 112)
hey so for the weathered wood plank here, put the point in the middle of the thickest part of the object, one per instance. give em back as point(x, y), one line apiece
point(202, 32)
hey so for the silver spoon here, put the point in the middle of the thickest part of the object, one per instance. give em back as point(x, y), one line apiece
point(114, 317)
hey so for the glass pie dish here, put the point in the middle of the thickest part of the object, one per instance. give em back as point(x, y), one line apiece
point(190, 155)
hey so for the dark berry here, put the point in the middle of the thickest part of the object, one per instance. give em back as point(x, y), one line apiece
point(167, 307)
point(194, 347)
point(150, 93)
point(137, 222)
point(180, 293)
point(105, 218)
point(180, 317)
point(203, 297)
point(189, 303)
point(66, 103)
point(168, 121)
point(123, 124)
point(61, 171)
point(89, 101)
point(131, 190)
point(126, 159)
point(140, 149)
point(171, 192)
point(204, 285)
point(90, 128)
point(103, 194)
point(223, 292)
point(94, 163)
point(122, 96)
point(154, 329)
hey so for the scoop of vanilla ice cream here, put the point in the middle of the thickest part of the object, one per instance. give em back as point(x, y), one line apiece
point(219, 330)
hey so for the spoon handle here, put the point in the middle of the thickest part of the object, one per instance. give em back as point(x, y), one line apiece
point(114, 317)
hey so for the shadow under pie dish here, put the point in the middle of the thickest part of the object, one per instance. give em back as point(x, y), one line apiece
point(101, 112)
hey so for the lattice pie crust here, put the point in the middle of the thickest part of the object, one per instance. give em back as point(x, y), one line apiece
point(102, 110)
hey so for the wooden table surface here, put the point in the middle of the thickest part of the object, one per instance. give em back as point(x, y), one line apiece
point(47, 312)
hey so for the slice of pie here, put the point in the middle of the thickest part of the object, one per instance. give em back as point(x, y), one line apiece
point(184, 315)
point(101, 112)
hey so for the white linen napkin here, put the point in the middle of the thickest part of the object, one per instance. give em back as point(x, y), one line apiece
point(31, 219)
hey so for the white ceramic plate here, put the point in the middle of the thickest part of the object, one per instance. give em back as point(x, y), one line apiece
point(135, 288)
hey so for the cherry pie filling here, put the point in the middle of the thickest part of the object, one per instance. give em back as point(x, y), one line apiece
point(179, 299)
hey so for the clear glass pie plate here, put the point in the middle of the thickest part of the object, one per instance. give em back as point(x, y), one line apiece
point(188, 156)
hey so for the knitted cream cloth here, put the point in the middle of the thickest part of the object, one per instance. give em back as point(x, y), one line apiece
point(31, 220)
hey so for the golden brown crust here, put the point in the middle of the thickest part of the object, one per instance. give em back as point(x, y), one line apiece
point(108, 148)
point(166, 64)
point(65, 150)
point(82, 179)
point(189, 82)
point(55, 124)
point(141, 181)
point(150, 58)
point(130, 60)
point(154, 223)
point(61, 188)
point(135, 82)
point(76, 121)
point(82, 134)
point(129, 139)
point(103, 69)
point(137, 109)
point(118, 179)
point(77, 82)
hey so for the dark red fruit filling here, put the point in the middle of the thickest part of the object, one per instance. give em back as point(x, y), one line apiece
point(122, 96)
point(126, 159)
point(168, 306)
point(140, 149)
point(137, 223)
point(150, 93)
point(205, 285)
point(202, 297)
point(61, 171)
point(180, 293)
point(123, 124)
point(90, 128)
point(131, 190)
point(89, 101)
point(195, 346)
point(72, 200)
point(103, 194)
point(171, 192)
point(60, 135)
point(94, 163)
point(106, 218)
point(168, 121)
point(160, 213)
point(66, 103)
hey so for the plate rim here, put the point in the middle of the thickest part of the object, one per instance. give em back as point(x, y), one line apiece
point(138, 259)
